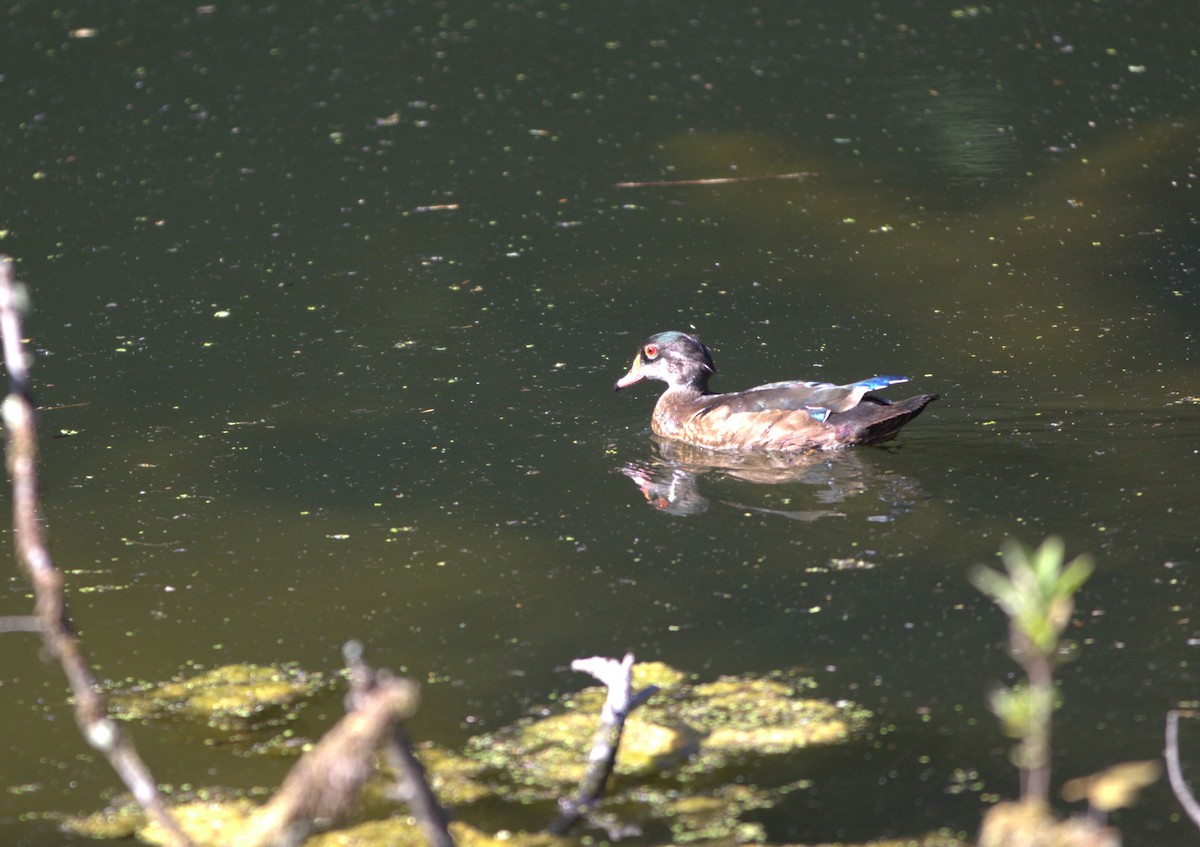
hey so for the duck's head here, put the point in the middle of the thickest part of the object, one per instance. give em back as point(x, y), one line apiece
point(678, 359)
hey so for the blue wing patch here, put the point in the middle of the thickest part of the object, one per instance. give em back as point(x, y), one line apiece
point(877, 382)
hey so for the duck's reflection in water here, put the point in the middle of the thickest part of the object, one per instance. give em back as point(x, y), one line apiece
point(670, 480)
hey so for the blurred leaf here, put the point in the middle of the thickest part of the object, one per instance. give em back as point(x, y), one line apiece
point(1012, 707)
point(1038, 592)
point(1115, 787)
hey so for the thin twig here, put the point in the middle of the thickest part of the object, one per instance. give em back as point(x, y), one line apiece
point(20, 623)
point(413, 786)
point(50, 606)
point(621, 700)
point(62, 406)
point(1174, 772)
point(716, 180)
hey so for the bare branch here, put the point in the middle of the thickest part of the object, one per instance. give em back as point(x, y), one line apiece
point(414, 788)
point(20, 623)
point(1175, 772)
point(325, 784)
point(621, 700)
point(50, 606)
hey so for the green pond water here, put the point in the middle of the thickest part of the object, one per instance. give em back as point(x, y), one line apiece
point(330, 298)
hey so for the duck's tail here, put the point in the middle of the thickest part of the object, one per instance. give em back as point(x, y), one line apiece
point(874, 420)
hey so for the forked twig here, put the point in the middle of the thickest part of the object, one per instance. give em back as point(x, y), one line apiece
point(50, 607)
point(621, 700)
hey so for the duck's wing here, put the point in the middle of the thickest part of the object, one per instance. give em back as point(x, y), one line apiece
point(819, 399)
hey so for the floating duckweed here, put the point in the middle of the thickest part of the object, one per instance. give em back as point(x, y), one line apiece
point(657, 673)
point(210, 816)
point(401, 832)
point(209, 823)
point(121, 820)
point(233, 696)
point(762, 716)
point(674, 768)
point(454, 778)
point(690, 730)
point(468, 836)
point(543, 759)
point(717, 816)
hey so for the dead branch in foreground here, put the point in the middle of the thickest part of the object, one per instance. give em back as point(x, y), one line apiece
point(413, 787)
point(1175, 772)
point(325, 784)
point(50, 607)
point(619, 702)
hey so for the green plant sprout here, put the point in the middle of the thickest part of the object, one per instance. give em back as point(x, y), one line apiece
point(1037, 592)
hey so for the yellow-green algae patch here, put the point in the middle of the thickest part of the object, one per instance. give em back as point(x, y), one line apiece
point(453, 777)
point(716, 818)
point(685, 728)
point(209, 817)
point(121, 820)
point(687, 762)
point(209, 823)
point(225, 698)
point(402, 832)
point(223, 823)
point(658, 673)
point(763, 717)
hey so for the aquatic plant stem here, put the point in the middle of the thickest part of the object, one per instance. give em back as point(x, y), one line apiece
point(33, 553)
point(1037, 593)
point(620, 701)
point(1035, 746)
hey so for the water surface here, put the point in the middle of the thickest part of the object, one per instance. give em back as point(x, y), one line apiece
point(330, 300)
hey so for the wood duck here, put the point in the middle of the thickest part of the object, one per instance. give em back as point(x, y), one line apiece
point(782, 416)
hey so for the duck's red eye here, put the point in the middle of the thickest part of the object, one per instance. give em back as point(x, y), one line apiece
point(651, 351)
